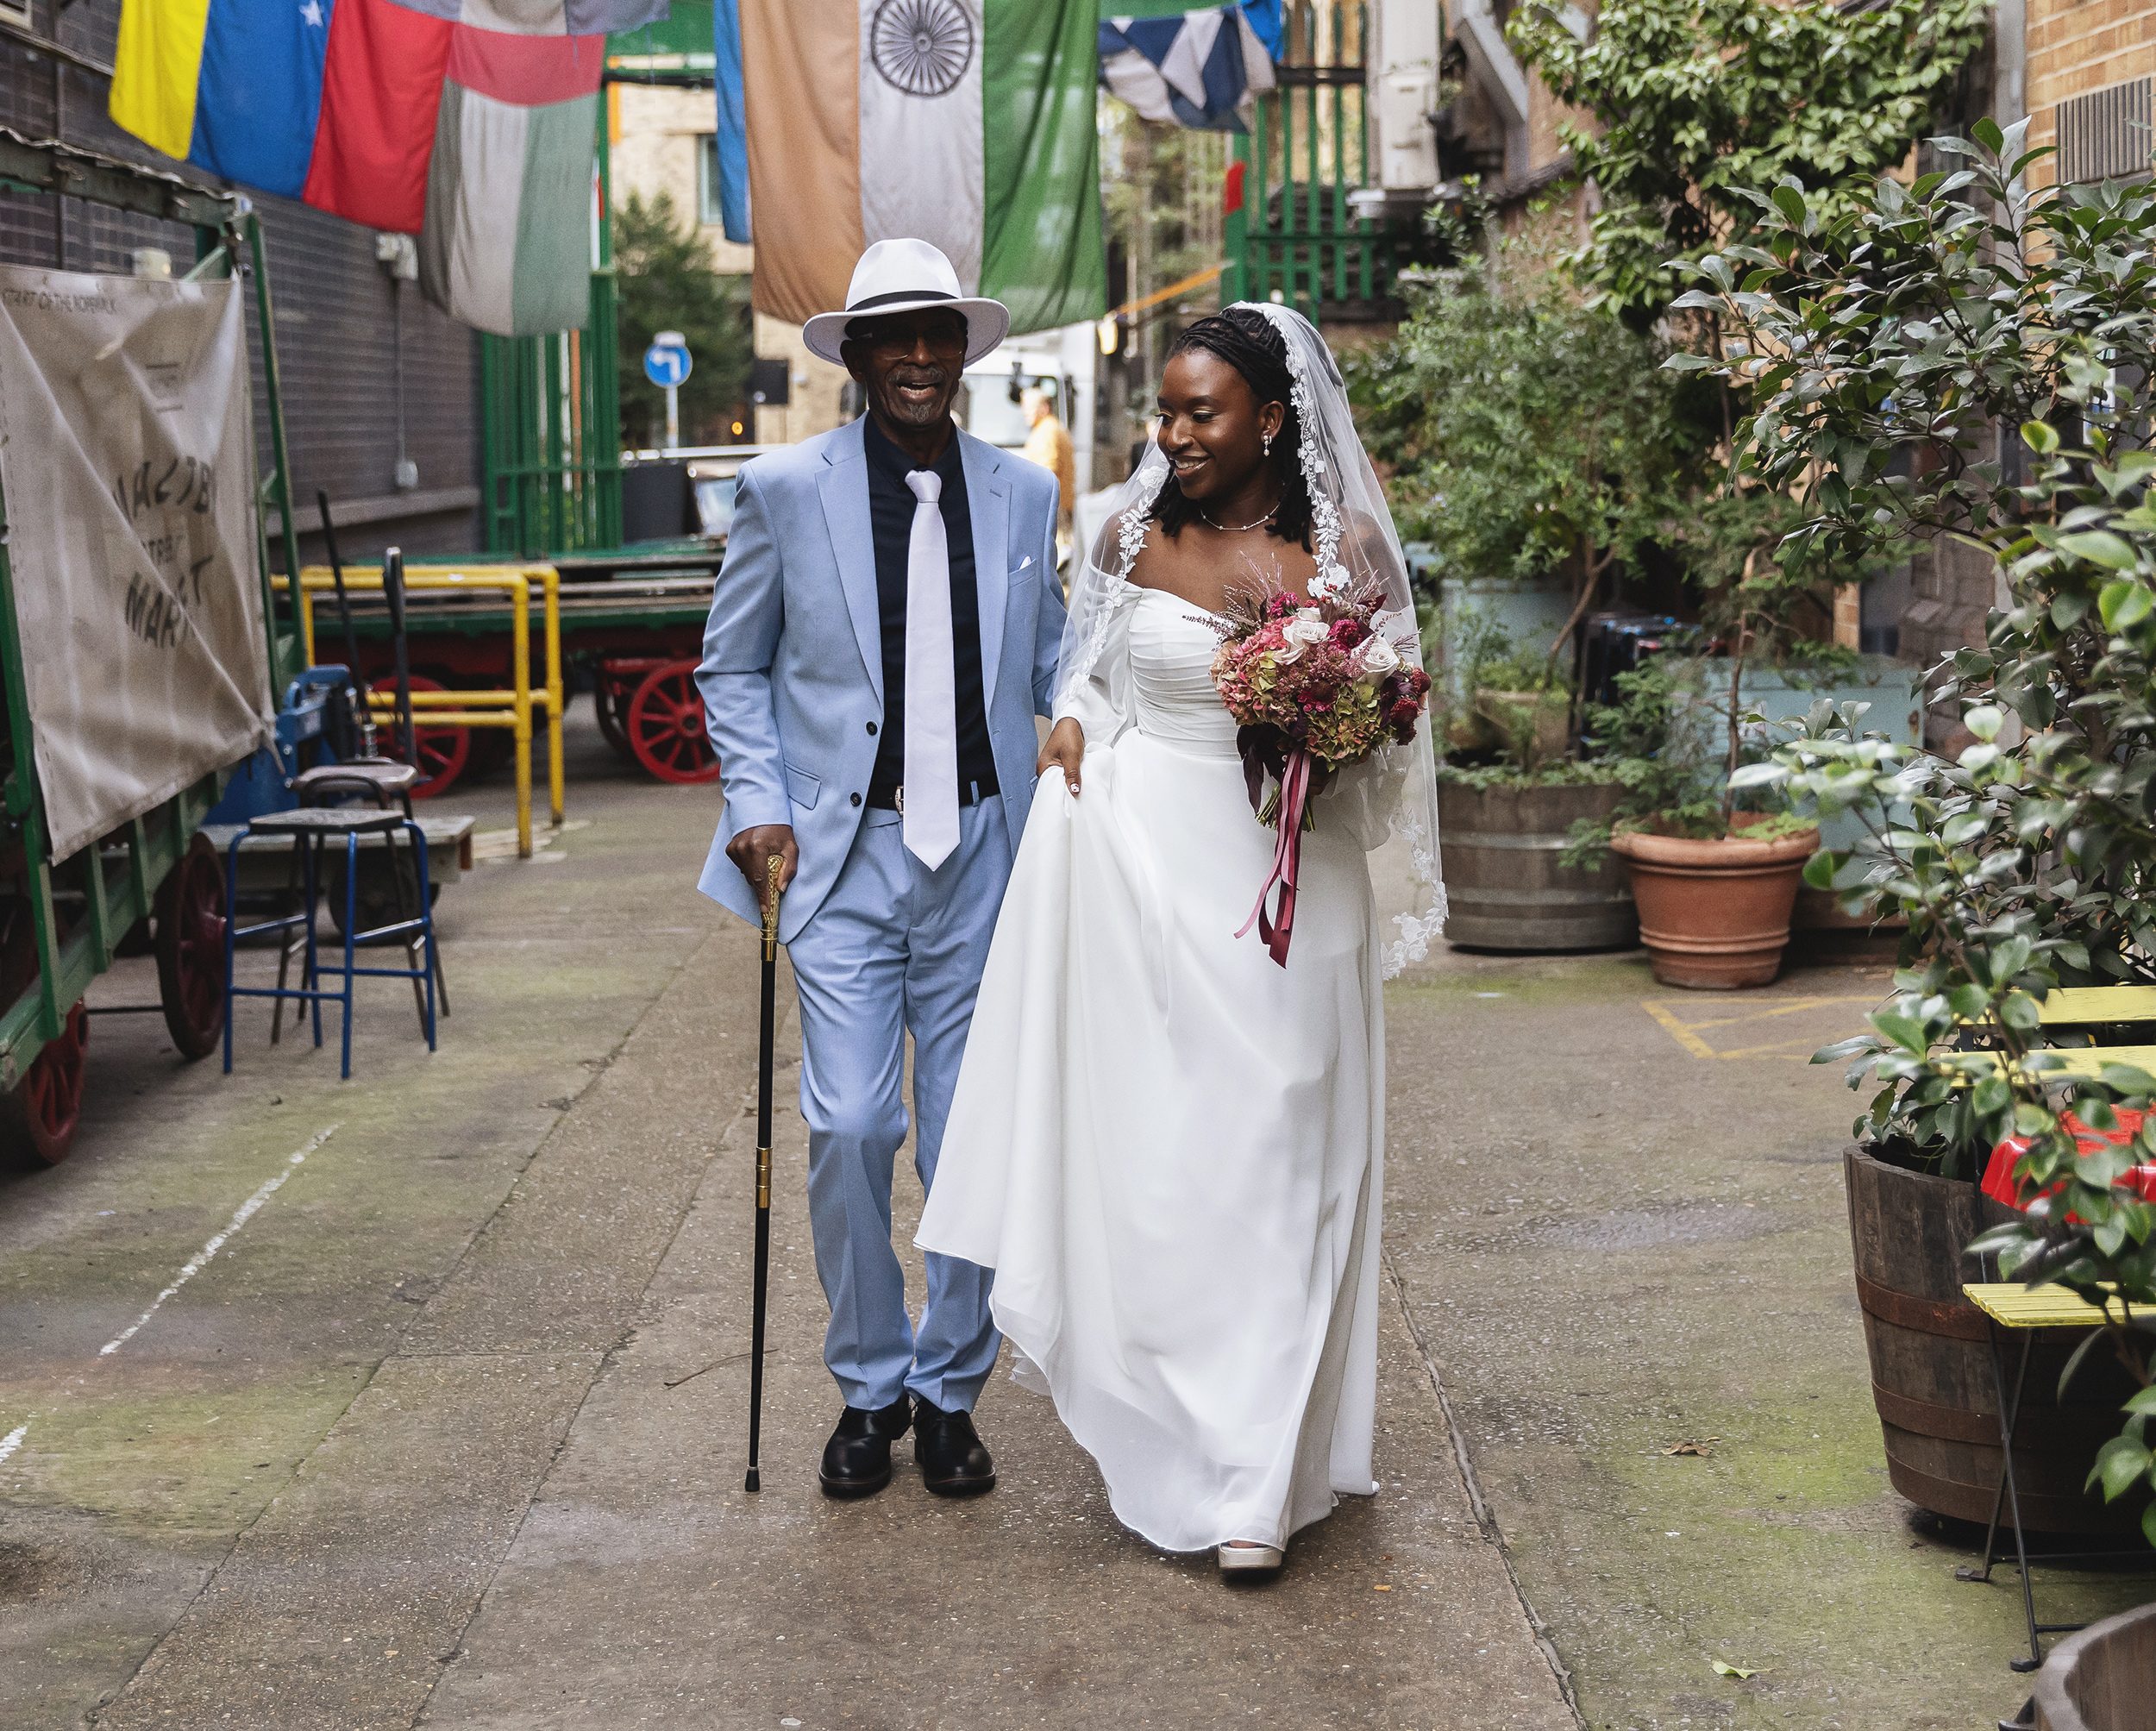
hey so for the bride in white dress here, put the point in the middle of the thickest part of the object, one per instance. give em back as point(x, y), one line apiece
point(1169, 1147)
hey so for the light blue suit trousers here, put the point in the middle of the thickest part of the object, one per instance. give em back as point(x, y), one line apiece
point(865, 980)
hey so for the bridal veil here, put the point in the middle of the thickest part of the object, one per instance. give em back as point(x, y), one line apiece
point(1352, 537)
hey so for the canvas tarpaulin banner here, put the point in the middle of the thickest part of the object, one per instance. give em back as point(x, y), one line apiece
point(126, 452)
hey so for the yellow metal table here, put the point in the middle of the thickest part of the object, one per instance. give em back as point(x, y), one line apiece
point(2015, 1309)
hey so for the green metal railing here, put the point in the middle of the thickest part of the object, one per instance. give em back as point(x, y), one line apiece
point(550, 421)
point(1295, 235)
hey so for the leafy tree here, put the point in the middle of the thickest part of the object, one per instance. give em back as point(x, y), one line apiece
point(667, 283)
point(1526, 434)
point(1690, 104)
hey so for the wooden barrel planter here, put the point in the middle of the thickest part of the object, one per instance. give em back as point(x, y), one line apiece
point(1931, 1364)
point(2102, 1678)
point(1503, 880)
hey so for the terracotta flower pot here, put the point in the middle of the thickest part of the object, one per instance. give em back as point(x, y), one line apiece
point(1715, 915)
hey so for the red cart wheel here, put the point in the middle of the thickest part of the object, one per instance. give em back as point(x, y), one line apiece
point(38, 1118)
point(190, 949)
point(442, 751)
point(666, 725)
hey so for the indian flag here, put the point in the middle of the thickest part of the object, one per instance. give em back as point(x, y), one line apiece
point(468, 122)
point(969, 124)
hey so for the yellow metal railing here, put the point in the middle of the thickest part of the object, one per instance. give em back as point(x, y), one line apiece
point(510, 708)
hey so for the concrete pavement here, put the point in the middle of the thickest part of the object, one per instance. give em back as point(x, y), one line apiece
point(448, 1431)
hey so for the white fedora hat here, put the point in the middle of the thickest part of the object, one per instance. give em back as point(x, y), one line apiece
point(900, 276)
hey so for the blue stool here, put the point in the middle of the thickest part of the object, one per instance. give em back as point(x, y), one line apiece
point(310, 829)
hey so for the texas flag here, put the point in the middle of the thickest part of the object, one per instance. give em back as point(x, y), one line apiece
point(468, 122)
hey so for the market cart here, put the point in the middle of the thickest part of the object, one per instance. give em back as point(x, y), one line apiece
point(630, 623)
point(139, 652)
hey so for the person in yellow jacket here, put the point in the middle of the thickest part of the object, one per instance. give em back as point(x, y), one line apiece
point(1048, 445)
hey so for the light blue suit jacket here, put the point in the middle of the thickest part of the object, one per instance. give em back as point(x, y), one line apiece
point(792, 672)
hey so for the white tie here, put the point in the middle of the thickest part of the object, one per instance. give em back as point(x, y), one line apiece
point(932, 704)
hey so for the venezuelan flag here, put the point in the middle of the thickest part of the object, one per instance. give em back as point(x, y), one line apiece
point(468, 122)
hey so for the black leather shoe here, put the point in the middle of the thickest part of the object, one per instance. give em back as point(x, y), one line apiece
point(857, 1459)
point(954, 1461)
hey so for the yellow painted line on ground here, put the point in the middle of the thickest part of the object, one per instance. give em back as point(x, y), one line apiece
point(1678, 1031)
point(1689, 1034)
point(1785, 1007)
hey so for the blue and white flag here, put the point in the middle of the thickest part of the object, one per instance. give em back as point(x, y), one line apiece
point(1199, 69)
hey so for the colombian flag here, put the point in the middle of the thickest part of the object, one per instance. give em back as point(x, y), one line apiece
point(468, 122)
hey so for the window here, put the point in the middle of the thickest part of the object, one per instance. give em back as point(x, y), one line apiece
point(707, 210)
point(2104, 135)
point(15, 12)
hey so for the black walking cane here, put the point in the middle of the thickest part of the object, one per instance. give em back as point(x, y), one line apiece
point(393, 588)
point(344, 616)
point(765, 1038)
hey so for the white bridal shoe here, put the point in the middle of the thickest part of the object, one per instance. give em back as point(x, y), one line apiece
point(1243, 1558)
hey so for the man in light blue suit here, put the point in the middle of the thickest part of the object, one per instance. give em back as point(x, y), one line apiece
point(881, 636)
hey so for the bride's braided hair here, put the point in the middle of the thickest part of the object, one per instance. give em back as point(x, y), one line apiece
point(1246, 340)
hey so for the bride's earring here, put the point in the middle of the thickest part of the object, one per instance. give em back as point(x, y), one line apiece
point(1266, 440)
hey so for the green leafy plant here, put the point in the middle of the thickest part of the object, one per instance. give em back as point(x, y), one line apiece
point(1966, 356)
point(1498, 700)
point(1566, 772)
point(1690, 105)
point(1678, 730)
point(1526, 435)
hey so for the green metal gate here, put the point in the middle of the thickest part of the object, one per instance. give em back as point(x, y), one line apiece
point(1294, 236)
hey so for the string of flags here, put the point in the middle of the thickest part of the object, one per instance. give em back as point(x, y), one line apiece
point(968, 121)
point(417, 116)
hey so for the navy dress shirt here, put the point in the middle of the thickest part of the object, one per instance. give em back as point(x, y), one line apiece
point(891, 504)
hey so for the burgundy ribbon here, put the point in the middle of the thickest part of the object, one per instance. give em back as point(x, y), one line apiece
point(1274, 931)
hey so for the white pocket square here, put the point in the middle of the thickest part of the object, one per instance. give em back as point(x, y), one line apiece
point(1026, 562)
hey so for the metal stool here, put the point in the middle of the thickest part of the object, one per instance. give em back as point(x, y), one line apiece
point(381, 780)
point(309, 829)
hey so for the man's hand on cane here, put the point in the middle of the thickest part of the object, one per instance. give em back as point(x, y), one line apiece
point(754, 849)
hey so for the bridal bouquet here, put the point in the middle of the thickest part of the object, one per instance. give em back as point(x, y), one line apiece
point(1315, 687)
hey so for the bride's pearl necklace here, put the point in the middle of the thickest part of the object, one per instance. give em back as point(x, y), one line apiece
point(1238, 528)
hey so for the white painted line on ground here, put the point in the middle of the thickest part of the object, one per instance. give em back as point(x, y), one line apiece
point(12, 1441)
point(196, 1263)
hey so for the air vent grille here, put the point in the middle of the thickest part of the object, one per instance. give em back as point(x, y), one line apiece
point(2104, 135)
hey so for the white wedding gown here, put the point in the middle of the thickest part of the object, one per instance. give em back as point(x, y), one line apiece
point(1169, 1148)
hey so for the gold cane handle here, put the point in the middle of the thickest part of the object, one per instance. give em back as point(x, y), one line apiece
point(774, 868)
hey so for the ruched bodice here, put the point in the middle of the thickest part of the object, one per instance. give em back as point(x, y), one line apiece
point(1172, 646)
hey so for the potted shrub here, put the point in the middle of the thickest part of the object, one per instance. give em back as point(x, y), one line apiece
point(1918, 322)
point(1533, 442)
point(1714, 883)
point(1509, 795)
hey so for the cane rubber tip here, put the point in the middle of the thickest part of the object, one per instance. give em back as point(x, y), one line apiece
point(754, 1482)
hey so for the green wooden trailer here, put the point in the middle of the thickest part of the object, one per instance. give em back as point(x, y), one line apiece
point(154, 882)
